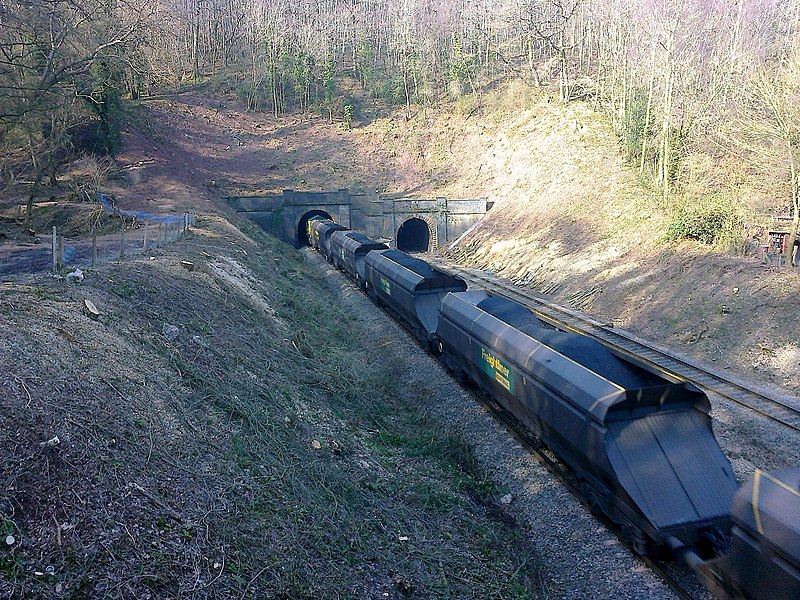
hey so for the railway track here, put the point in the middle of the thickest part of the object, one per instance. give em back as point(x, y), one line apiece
point(785, 411)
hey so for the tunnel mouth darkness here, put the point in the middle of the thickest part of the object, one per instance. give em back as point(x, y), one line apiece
point(413, 236)
point(302, 234)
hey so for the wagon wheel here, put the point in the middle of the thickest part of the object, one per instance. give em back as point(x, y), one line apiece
point(592, 498)
point(636, 539)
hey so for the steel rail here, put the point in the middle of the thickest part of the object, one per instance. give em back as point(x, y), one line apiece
point(786, 412)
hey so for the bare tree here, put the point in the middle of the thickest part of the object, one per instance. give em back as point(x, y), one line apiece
point(777, 119)
point(548, 21)
point(45, 49)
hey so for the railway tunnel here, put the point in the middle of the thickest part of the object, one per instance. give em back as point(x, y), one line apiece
point(414, 236)
point(412, 224)
point(302, 234)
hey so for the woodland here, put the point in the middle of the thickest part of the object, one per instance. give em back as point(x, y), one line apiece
point(704, 95)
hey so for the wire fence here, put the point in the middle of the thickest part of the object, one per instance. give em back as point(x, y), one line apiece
point(56, 252)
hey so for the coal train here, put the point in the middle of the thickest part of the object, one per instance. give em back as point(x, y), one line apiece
point(638, 442)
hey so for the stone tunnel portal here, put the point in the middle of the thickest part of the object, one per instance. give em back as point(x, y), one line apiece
point(302, 224)
point(414, 236)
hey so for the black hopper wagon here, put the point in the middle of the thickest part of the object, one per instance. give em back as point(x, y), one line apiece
point(348, 251)
point(764, 559)
point(638, 441)
point(411, 289)
point(319, 234)
point(640, 444)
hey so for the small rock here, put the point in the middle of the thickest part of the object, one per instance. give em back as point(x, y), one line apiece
point(170, 332)
point(188, 265)
point(506, 499)
point(90, 309)
point(75, 277)
point(10, 540)
point(403, 538)
point(53, 441)
point(315, 444)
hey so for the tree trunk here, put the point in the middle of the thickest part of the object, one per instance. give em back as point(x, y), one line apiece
point(36, 180)
point(666, 145)
point(789, 251)
point(647, 111)
point(196, 44)
point(790, 259)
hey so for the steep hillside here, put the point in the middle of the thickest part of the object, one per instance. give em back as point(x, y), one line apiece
point(572, 220)
point(264, 450)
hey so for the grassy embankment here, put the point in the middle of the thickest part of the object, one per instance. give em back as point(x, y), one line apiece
point(262, 453)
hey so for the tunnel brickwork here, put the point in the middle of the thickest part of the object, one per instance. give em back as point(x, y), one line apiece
point(380, 217)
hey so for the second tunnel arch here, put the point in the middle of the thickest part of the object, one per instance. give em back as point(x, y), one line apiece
point(416, 234)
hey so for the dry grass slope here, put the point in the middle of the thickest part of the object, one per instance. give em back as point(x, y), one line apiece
point(264, 452)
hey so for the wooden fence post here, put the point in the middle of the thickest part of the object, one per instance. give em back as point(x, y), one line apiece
point(60, 252)
point(55, 250)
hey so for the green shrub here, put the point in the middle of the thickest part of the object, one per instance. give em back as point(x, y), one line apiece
point(713, 220)
point(349, 115)
point(631, 128)
point(101, 90)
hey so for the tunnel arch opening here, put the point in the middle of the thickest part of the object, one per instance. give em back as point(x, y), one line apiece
point(302, 225)
point(414, 236)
